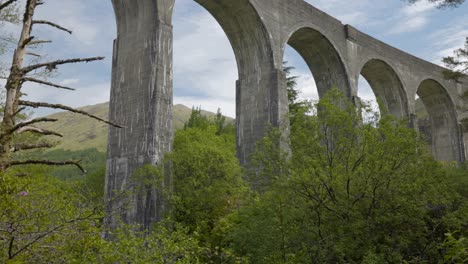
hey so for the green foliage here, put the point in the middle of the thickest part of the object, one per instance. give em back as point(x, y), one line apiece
point(207, 180)
point(94, 184)
point(46, 220)
point(456, 249)
point(458, 64)
point(38, 214)
point(350, 193)
point(92, 161)
point(197, 119)
point(162, 245)
point(296, 106)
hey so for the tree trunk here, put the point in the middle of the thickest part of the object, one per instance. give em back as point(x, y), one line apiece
point(13, 85)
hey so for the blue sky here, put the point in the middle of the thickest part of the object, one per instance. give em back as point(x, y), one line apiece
point(204, 65)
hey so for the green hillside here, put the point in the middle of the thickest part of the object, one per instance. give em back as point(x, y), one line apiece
point(81, 132)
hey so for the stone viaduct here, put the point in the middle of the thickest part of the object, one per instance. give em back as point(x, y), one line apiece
point(258, 30)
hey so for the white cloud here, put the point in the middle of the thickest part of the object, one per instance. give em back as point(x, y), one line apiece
point(89, 27)
point(210, 104)
point(412, 17)
point(83, 95)
point(445, 41)
point(69, 81)
point(205, 69)
point(365, 91)
point(418, 8)
point(409, 25)
point(204, 62)
point(306, 84)
point(349, 12)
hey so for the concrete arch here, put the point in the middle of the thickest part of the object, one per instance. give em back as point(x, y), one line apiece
point(445, 131)
point(246, 32)
point(261, 97)
point(322, 58)
point(387, 87)
point(142, 94)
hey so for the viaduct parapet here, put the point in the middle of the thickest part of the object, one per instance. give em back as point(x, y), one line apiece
point(258, 30)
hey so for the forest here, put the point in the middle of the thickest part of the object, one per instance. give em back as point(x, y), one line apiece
point(349, 192)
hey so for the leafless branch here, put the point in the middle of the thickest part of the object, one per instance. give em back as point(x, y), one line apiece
point(38, 130)
point(30, 122)
point(6, 4)
point(45, 162)
point(19, 110)
point(53, 64)
point(35, 42)
point(44, 22)
point(27, 41)
point(28, 79)
point(67, 108)
point(20, 147)
point(33, 54)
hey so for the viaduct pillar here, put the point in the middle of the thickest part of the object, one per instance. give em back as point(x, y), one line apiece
point(141, 98)
point(141, 101)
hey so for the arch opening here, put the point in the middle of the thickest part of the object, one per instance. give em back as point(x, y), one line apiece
point(304, 83)
point(204, 64)
point(441, 124)
point(371, 112)
point(260, 100)
point(322, 59)
point(386, 86)
point(246, 33)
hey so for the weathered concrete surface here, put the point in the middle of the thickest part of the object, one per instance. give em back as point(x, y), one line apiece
point(141, 100)
point(259, 30)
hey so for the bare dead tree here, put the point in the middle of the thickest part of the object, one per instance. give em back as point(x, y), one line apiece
point(20, 74)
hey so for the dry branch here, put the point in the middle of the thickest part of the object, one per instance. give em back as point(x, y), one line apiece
point(28, 79)
point(6, 4)
point(20, 147)
point(35, 42)
point(53, 64)
point(19, 110)
point(45, 162)
point(45, 22)
point(38, 130)
point(67, 108)
point(30, 122)
point(27, 41)
point(33, 54)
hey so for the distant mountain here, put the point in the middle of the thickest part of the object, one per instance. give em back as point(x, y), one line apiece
point(81, 132)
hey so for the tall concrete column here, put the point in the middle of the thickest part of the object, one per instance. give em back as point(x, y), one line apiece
point(141, 98)
point(262, 103)
point(141, 101)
